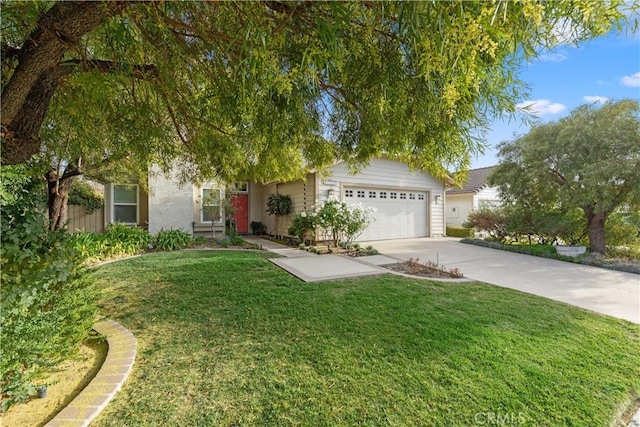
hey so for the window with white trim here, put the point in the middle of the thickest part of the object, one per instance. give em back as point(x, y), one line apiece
point(383, 194)
point(348, 193)
point(420, 196)
point(393, 195)
point(372, 194)
point(125, 203)
point(360, 194)
point(211, 205)
point(403, 196)
point(412, 196)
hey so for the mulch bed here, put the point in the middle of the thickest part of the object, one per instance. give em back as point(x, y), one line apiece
point(428, 269)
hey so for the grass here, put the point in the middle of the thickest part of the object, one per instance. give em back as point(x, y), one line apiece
point(225, 338)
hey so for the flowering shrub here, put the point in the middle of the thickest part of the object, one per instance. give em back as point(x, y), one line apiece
point(357, 219)
point(338, 220)
point(335, 220)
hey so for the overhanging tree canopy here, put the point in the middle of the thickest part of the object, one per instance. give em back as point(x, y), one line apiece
point(588, 160)
point(265, 90)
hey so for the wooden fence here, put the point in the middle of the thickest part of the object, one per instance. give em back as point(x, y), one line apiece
point(80, 220)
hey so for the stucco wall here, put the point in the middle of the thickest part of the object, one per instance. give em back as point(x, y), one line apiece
point(170, 204)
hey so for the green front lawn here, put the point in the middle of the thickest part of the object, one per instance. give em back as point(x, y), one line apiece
point(226, 338)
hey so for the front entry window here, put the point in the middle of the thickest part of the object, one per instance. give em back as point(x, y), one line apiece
point(211, 205)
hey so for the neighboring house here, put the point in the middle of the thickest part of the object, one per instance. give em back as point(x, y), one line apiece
point(408, 204)
point(473, 194)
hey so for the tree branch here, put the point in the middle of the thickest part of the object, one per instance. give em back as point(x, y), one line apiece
point(142, 72)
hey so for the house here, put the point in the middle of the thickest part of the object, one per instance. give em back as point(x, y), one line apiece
point(472, 195)
point(408, 204)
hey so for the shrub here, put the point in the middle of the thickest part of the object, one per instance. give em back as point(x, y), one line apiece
point(83, 194)
point(258, 228)
point(171, 240)
point(47, 305)
point(491, 220)
point(302, 224)
point(224, 241)
point(126, 239)
point(369, 250)
point(624, 252)
point(338, 220)
point(200, 240)
point(278, 204)
point(622, 230)
point(236, 240)
point(118, 240)
point(459, 232)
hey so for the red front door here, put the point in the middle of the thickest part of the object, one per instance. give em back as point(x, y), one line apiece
point(240, 204)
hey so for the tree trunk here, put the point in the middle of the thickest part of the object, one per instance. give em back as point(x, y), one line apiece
point(58, 188)
point(595, 224)
point(37, 72)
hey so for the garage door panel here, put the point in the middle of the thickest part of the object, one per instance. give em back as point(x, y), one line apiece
point(399, 213)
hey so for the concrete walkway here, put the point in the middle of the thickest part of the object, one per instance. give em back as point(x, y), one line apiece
point(310, 267)
point(285, 251)
point(609, 292)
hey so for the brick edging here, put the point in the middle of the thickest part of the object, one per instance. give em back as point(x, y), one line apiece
point(109, 380)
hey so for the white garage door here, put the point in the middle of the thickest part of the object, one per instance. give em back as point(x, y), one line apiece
point(399, 213)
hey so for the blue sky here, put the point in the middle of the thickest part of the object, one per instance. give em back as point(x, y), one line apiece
point(561, 80)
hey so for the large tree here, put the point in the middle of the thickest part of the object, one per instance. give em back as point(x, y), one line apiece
point(265, 90)
point(588, 160)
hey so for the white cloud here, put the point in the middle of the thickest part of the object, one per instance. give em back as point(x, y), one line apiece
point(541, 107)
point(595, 98)
point(633, 80)
point(553, 57)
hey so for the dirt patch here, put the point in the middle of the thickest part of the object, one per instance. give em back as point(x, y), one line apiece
point(64, 383)
point(428, 269)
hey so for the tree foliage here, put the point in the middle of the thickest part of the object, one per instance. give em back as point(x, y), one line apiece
point(267, 90)
point(589, 160)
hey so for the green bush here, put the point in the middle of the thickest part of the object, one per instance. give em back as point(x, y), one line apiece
point(622, 230)
point(171, 240)
point(278, 204)
point(83, 194)
point(47, 305)
point(459, 232)
point(258, 228)
point(369, 250)
point(224, 241)
point(302, 224)
point(491, 220)
point(118, 240)
point(630, 253)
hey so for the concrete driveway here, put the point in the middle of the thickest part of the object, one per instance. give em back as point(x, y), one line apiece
point(604, 291)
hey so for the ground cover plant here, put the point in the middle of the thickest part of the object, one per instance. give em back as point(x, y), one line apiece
point(226, 338)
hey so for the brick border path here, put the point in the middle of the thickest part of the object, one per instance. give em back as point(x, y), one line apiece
point(109, 380)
